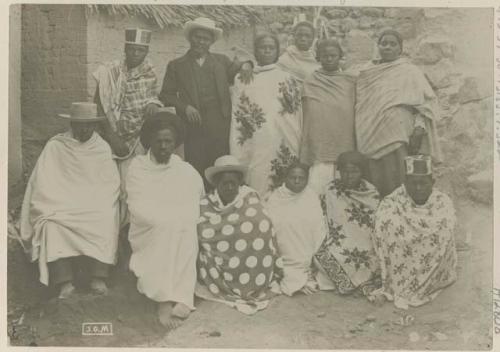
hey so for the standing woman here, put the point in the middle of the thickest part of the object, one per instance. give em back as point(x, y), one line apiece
point(328, 102)
point(266, 124)
point(395, 114)
point(298, 58)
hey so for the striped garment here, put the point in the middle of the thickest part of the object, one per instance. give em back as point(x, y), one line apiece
point(124, 94)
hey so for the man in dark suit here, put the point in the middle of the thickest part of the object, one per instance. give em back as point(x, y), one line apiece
point(197, 85)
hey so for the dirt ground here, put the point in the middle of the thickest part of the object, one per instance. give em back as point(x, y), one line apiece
point(460, 318)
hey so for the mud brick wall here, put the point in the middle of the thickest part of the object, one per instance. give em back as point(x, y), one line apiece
point(54, 53)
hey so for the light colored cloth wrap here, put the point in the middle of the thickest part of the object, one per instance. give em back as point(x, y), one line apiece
point(265, 130)
point(415, 246)
point(300, 230)
point(389, 97)
point(163, 200)
point(70, 207)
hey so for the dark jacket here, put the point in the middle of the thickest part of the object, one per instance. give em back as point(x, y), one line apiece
point(179, 87)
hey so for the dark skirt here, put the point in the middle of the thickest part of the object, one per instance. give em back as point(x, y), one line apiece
point(388, 172)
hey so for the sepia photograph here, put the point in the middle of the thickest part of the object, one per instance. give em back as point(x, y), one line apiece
point(257, 176)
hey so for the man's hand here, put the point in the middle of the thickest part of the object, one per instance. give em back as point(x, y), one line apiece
point(151, 109)
point(246, 73)
point(416, 140)
point(192, 115)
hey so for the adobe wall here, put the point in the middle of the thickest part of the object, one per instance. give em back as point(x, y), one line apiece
point(53, 47)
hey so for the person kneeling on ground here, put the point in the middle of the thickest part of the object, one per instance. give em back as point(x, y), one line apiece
point(300, 229)
point(163, 194)
point(237, 251)
point(70, 212)
point(414, 238)
point(346, 259)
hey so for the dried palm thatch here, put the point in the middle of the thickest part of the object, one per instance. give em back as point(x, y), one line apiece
point(177, 15)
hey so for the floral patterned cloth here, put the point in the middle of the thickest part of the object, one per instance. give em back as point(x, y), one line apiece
point(266, 126)
point(346, 258)
point(416, 247)
point(237, 252)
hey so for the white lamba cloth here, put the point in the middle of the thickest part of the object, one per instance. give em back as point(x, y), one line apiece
point(71, 203)
point(300, 230)
point(163, 200)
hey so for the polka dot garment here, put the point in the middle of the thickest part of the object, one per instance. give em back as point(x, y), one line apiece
point(237, 254)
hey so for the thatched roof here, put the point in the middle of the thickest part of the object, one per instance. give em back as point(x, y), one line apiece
point(177, 15)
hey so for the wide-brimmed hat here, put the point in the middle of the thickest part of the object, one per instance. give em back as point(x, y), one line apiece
point(224, 163)
point(202, 23)
point(83, 112)
point(418, 165)
point(137, 36)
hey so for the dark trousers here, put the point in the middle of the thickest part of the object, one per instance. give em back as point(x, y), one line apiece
point(203, 144)
point(65, 269)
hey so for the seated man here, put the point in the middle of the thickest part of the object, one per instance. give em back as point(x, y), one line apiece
point(163, 194)
point(414, 238)
point(70, 208)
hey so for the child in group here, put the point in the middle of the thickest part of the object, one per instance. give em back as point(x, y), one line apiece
point(296, 213)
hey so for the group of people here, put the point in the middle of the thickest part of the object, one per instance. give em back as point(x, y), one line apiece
point(279, 174)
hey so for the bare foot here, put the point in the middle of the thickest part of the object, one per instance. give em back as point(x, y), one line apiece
point(66, 290)
point(165, 316)
point(181, 311)
point(99, 287)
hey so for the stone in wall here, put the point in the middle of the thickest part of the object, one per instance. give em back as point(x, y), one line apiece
point(471, 91)
point(359, 46)
point(433, 48)
point(404, 12)
point(335, 13)
point(480, 187)
point(441, 75)
point(372, 12)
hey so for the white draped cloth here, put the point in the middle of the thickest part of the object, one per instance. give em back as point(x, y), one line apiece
point(70, 207)
point(301, 64)
point(300, 230)
point(163, 200)
point(266, 125)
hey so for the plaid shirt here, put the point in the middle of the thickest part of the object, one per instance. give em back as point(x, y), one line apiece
point(124, 94)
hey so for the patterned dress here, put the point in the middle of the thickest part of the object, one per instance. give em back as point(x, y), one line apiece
point(346, 258)
point(416, 247)
point(237, 252)
point(266, 126)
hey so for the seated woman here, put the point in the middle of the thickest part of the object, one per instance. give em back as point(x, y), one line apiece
point(346, 259)
point(236, 243)
point(414, 238)
point(163, 193)
point(395, 114)
point(328, 103)
point(266, 124)
point(296, 213)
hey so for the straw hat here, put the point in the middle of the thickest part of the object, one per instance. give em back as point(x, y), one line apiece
point(202, 23)
point(223, 164)
point(83, 112)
